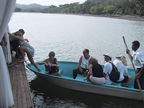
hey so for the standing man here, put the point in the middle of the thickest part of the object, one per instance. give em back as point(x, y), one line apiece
point(138, 59)
point(83, 64)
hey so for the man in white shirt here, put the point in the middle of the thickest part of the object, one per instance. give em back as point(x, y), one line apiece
point(83, 64)
point(107, 68)
point(138, 59)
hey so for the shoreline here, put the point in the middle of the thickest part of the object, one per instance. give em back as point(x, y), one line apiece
point(125, 17)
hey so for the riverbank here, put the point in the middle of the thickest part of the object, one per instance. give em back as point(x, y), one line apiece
point(125, 17)
point(128, 17)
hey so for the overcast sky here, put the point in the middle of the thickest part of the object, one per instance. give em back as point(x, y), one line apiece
point(48, 2)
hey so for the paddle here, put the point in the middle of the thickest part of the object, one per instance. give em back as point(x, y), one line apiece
point(139, 86)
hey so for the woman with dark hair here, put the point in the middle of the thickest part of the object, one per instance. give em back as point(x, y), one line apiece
point(51, 64)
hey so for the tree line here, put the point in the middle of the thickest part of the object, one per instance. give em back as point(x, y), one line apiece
point(95, 7)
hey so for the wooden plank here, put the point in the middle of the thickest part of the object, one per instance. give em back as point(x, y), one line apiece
point(20, 85)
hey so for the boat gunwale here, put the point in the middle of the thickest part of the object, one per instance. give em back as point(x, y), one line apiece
point(103, 85)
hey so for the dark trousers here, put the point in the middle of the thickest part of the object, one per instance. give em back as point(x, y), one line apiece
point(141, 80)
point(76, 71)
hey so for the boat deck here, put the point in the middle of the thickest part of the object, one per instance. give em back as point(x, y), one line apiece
point(20, 85)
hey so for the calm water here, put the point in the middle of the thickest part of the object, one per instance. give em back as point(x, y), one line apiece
point(68, 35)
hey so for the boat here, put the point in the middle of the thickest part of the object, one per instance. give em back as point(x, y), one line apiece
point(79, 84)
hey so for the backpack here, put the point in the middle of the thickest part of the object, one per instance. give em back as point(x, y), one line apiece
point(115, 74)
point(97, 70)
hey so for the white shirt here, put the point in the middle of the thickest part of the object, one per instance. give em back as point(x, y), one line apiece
point(121, 68)
point(107, 70)
point(85, 62)
point(138, 58)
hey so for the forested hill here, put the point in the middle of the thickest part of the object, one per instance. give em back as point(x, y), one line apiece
point(94, 7)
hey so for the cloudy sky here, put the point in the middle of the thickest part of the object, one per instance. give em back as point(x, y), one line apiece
point(49, 2)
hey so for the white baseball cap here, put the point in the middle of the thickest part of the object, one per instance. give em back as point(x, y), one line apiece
point(108, 55)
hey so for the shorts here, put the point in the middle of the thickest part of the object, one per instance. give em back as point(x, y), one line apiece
point(97, 80)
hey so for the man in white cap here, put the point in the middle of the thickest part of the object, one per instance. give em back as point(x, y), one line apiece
point(107, 68)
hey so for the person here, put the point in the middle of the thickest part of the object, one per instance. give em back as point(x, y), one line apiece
point(120, 63)
point(4, 42)
point(51, 64)
point(138, 59)
point(15, 43)
point(95, 74)
point(107, 68)
point(83, 64)
point(25, 47)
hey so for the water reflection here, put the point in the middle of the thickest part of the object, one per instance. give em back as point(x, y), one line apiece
point(46, 95)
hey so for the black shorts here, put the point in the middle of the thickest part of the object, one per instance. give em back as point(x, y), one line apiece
point(125, 80)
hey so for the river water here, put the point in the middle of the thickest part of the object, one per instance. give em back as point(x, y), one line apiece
point(68, 35)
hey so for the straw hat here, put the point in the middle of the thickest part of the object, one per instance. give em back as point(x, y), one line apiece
point(123, 59)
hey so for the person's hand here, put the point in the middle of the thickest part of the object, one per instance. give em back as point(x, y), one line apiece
point(80, 69)
point(137, 75)
point(127, 51)
point(89, 73)
point(46, 64)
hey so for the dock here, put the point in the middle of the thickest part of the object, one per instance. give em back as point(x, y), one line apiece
point(20, 85)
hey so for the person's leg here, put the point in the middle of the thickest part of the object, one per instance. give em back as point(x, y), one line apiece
point(129, 79)
point(88, 77)
point(135, 82)
point(75, 72)
point(124, 82)
point(141, 79)
point(84, 72)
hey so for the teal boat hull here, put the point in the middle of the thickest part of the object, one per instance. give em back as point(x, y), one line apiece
point(79, 84)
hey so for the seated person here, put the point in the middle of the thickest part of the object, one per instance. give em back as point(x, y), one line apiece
point(83, 64)
point(120, 63)
point(51, 64)
point(95, 74)
point(107, 68)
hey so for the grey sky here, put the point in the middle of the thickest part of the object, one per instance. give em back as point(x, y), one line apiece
point(48, 2)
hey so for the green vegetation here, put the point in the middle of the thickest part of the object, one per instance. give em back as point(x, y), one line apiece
point(95, 7)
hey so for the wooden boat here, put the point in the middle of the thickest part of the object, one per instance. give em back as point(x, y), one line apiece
point(66, 69)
